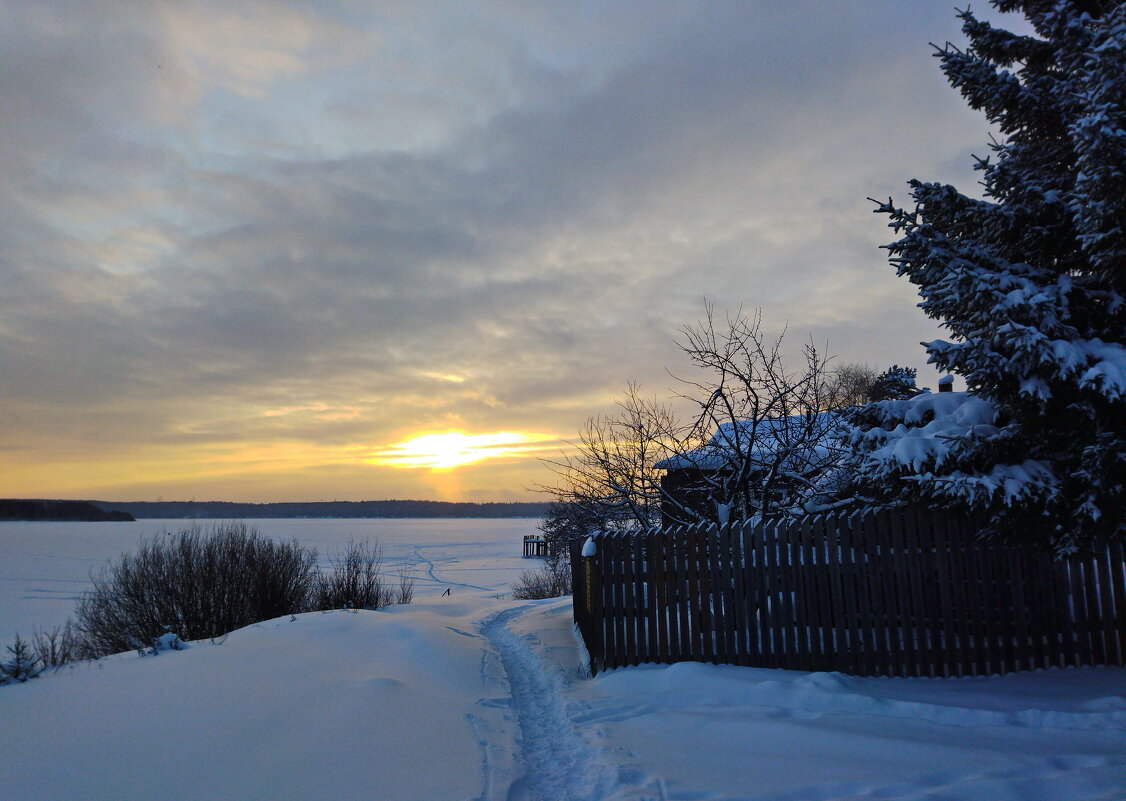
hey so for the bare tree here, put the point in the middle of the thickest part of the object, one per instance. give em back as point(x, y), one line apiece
point(759, 441)
point(609, 472)
point(851, 384)
point(768, 425)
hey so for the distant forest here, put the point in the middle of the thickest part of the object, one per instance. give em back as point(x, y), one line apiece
point(81, 511)
point(222, 510)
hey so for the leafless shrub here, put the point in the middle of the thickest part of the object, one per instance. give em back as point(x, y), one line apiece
point(550, 581)
point(195, 584)
point(58, 646)
point(406, 588)
point(355, 581)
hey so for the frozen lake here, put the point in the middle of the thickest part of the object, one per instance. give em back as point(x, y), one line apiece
point(45, 567)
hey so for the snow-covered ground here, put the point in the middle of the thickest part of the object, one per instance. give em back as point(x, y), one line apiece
point(470, 696)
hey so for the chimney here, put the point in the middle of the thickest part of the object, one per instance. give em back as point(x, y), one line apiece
point(946, 383)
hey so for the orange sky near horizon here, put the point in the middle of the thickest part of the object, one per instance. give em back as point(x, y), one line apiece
point(444, 466)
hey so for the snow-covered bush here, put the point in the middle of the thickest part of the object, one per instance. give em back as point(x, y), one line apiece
point(1031, 282)
point(196, 584)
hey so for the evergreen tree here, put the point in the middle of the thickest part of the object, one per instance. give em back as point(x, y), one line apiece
point(1029, 281)
point(895, 383)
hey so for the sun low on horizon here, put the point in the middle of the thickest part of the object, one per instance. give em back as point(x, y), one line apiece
point(446, 450)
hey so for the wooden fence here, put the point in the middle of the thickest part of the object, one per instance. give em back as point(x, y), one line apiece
point(899, 592)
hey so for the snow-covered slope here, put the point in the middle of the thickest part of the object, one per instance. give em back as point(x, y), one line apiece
point(482, 698)
point(324, 706)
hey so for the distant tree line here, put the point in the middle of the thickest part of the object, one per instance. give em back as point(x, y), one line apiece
point(81, 511)
point(222, 510)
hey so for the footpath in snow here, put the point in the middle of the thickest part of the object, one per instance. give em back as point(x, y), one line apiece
point(482, 699)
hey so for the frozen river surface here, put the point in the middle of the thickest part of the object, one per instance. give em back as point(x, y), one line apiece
point(45, 567)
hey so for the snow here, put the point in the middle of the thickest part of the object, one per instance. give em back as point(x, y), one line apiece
point(590, 547)
point(472, 696)
point(169, 641)
point(931, 425)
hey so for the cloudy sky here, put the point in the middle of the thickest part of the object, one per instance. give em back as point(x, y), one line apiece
point(249, 249)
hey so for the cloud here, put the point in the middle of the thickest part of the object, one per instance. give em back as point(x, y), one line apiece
point(211, 213)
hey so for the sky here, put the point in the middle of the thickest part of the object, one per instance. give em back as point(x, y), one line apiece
point(265, 251)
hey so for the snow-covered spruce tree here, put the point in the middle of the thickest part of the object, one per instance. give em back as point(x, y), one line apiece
point(895, 383)
point(1030, 282)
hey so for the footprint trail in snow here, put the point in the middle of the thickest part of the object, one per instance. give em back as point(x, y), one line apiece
point(558, 763)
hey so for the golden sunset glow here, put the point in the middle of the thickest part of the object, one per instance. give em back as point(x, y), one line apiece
point(449, 449)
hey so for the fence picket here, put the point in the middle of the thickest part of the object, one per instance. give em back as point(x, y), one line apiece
point(778, 589)
point(795, 599)
point(704, 596)
point(1000, 580)
point(751, 537)
point(654, 609)
point(633, 612)
point(635, 620)
point(1116, 565)
point(1081, 647)
point(963, 611)
point(1091, 590)
point(740, 569)
point(837, 558)
point(641, 613)
point(691, 596)
point(678, 645)
point(609, 586)
point(983, 592)
point(753, 588)
point(857, 590)
point(1113, 647)
point(823, 577)
point(1025, 653)
point(949, 665)
point(718, 641)
point(597, 616)
point(786, 596)
point(726, 557)
point(671, 646)
point(807, 611)
point(1054, 598)
point(618, 557)
point(924, 571)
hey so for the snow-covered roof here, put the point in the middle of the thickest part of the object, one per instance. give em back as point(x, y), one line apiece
point(762, 439)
